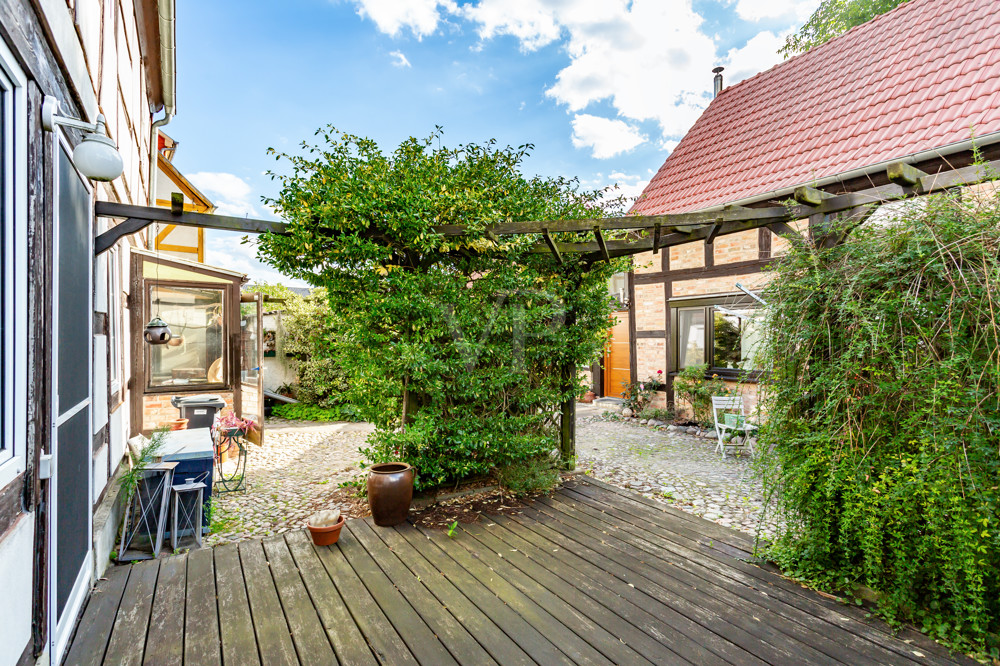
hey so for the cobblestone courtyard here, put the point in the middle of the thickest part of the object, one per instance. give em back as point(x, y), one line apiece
point(301, 464)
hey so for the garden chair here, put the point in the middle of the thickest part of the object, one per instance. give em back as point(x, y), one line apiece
point(732, 424)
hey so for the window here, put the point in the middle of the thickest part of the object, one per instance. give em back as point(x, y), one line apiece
point(725, 337)
point(13, 264)
point(195, 355)
point(618, 288)
point(114, 319)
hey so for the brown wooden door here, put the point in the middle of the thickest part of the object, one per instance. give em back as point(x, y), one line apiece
point(616, 358)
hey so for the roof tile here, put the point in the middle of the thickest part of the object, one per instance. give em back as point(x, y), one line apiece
point(917, 78)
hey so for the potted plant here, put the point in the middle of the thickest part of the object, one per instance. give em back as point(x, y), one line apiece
point(227, 428)
point(324, 527)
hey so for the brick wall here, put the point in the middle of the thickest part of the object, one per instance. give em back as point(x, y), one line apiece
point(689, 255)
point(743, 246)
point(650, 356)
point(647, 262)
point(650, 307)
point(717, 285)
point(157, 410)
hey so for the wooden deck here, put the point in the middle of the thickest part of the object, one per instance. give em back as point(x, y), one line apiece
point(593, 574)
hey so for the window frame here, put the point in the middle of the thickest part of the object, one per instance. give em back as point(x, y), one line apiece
point(13, 428)
point(708, 304)
point(227, 384)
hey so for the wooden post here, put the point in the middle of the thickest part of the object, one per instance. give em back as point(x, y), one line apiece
point(567, 438)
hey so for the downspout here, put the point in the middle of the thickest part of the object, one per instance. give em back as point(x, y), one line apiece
point(166, 14)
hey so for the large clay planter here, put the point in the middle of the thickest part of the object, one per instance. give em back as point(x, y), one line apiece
point(390, 489)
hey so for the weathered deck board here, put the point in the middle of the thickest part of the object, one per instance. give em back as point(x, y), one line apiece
point(202, 644)
point(591, 574)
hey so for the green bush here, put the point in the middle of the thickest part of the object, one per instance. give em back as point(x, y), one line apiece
point(529, 476)
point(693, 387)
point(459, 349)
point(884, 412)
point(638, 394)
point(303, 412)
point(665, 415)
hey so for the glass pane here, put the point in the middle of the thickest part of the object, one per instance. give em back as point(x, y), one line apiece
point(195, 355)
point(4, 146)
point(690, 337)
point(250, 364)
point(75, 261)
point(618, 288)
point(735, 337)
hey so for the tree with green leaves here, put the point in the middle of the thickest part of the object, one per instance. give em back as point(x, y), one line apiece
point(833, 18)
point(456, 348)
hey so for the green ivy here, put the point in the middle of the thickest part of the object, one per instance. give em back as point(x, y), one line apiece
point(883, 404)
point(454, 347)
point(304, 412)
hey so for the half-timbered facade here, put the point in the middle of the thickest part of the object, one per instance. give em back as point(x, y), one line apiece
point(916, 86)
point(65, 359)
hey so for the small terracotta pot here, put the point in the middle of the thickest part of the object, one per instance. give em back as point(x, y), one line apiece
point(179, 424)
point(589, 397)
point(326, 536)
point(390, 490)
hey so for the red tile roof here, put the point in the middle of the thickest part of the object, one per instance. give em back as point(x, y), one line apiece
point(920, 77)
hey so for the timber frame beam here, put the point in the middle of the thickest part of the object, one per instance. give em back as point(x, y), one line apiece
point(654, 231)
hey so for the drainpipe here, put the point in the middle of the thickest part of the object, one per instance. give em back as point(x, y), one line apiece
point(166, 14)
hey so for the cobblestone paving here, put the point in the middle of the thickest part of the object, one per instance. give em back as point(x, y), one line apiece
point(674, 468)
point(299, 468)
point(293, 475)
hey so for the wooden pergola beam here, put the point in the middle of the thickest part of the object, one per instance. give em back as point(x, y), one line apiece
point(810, 196)
point(552, 246)
point(903, 174)
point(601, 244)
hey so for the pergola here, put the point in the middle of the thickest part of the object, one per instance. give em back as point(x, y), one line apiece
point(645, 233)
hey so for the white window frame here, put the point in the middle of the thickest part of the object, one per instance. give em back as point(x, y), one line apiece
point(15, 278)
point(114, 322)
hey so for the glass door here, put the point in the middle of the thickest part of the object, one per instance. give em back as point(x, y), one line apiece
point(251, 352)
point(72, 377)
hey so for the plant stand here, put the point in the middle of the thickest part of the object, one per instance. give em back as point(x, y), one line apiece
point(146, 514)
point(189, 506)
point(230, 461)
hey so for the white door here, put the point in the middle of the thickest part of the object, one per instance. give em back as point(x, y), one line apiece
point(70, 563)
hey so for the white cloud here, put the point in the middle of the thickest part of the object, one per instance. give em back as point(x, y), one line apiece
point(605, 137)
point(758, 54)
point(650, 60)
point(759, 10)
point(400, 59)
point(231, 194)
point(225, 249)
point(392, 16)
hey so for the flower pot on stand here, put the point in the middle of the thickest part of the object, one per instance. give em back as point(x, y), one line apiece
point(179, 424)
point(390, 490)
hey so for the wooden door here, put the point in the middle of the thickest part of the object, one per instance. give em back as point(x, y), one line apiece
point(616, 358)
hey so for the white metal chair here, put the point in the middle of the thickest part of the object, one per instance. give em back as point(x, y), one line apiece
point(738, 428)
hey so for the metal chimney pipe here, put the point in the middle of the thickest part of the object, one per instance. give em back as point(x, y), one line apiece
point(718, 80)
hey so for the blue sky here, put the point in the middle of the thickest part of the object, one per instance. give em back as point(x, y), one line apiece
point(602, 88)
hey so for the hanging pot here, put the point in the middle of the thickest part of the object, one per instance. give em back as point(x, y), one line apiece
point(390, 490)
point(175, 341)
point(157, 332)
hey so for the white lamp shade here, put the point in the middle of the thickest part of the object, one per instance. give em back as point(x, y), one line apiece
point(97, 158)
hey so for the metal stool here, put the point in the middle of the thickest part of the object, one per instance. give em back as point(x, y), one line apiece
point(188, 511)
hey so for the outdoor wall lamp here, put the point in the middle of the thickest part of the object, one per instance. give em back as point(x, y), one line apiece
point(96, 156)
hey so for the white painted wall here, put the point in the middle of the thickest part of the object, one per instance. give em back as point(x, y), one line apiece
point(16, 554)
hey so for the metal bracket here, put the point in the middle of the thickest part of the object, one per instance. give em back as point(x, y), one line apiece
point(45, 466)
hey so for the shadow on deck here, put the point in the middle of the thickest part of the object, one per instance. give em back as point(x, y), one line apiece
point(592, 574)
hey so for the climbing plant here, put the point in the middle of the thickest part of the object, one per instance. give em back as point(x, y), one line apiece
point(831, 19)
point(454, 347)
point(883, 414)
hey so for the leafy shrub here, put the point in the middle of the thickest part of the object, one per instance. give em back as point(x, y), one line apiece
point(459, 349)
point(665, 415)
point(638, 394)
point(529, 476)
point(691, 386)
point(884, 413)
point(303, 412)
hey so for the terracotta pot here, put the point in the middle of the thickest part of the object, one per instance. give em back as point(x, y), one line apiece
point(326, 536)
point(589, 397)
point(179, 424)
point(390, 489)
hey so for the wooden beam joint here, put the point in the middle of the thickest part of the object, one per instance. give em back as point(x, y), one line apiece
point(810, 196)
point(552, 246)
point(601, 243)
point(656, 238)
point(904, 175)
